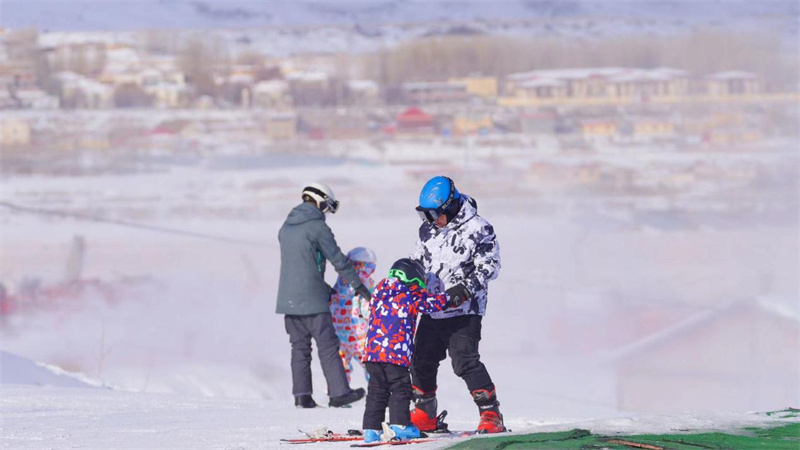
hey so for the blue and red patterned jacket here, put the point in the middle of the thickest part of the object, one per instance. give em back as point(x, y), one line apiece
point(393, 319)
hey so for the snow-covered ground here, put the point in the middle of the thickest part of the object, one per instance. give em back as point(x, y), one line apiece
point(60, 415)
point(191, 354)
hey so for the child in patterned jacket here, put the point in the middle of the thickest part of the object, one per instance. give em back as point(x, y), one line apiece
point(349, 312)
point(395, 304)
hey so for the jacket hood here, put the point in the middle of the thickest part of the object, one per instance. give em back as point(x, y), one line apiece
point(469, 209)
point(304, 212)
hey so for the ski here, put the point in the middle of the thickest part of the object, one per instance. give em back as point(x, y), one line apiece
point(334, 438)
point(426, 438)
point(326, 436)
point(399, 442)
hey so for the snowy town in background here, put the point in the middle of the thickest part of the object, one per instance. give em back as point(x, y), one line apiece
point(641, 171)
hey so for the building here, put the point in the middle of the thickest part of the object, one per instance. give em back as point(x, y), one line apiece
point(81, 92)
point(362, 92)
point(478, 86)
point(645, 85)
point(310, 88)
point(595, 130)
point(281, 126)
point(472, 123)
point(272, 94)
point(732, 83)
point(542, 89)
point(434, 92)
point(578, 83)
point(14, 132)
point(415, 121)
point(740, 358)
point(647, 129)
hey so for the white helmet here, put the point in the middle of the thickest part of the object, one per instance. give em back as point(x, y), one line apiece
point(323, 196)
point(362, 254)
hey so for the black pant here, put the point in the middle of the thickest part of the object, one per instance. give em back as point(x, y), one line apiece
point(389, 385)
point(460, 337)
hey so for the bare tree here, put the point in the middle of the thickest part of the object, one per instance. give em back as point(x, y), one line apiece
point(131, 96)
point(200, 59)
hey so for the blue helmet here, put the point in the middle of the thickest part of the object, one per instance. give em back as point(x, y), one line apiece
point(438, 196)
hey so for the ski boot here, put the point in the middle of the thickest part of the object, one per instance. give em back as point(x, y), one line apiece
point(346, 399)
point(489, 407)
point(371, 436)
point(304, 401)
point(399, 432)
point(423, 416)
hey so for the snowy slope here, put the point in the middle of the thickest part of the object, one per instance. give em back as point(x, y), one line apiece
point(197, 358)
point(18, 370)
point(37, 417)
point(145, 14)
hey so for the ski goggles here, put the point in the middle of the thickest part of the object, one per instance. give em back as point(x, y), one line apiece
point(330, 205)
point(431, 215)
point(400, 275)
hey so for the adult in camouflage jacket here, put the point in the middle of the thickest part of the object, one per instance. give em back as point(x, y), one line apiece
point(460, 252)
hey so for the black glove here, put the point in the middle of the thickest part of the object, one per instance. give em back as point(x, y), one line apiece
point(457, 295)
point(363, 292)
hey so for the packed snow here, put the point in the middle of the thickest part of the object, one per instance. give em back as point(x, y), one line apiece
point(188, 352)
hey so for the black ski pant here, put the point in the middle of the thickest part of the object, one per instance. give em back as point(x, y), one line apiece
point(301, 330)
point(458, 336)
point(389, 385)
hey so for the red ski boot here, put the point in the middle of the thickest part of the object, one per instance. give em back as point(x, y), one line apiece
point(423, 416)
point(491, 422)
point(489, 407)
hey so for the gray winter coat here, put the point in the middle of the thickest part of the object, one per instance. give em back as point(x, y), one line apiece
point(306, 242)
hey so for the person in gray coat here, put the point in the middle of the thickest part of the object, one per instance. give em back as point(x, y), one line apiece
point(306, 243)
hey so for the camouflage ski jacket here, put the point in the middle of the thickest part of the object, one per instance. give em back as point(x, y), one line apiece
point(465, 250)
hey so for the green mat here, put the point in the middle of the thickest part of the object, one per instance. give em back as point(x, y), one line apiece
point(778, 438)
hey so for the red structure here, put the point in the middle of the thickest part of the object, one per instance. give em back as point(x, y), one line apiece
point(415, 120)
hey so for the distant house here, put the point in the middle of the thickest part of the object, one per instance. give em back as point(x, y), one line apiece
point(82, 92)
point(647, 129)
point(362, 92)
point(472, 123)
point(272, 94)
point(281, 126)
point(415, 121)
point(27, 98)
point(165, 85)
point(733, 83)
point(599, 129)
point(643, 85)
point(310, 88)
point(602, 84)
point(544, 88)
point(421, 93)
point(578, 83)
point(14, 132)
point(479, 86)
point(740, 358)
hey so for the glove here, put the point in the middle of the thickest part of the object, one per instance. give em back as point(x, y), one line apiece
point(363, 292)
point(457, 295)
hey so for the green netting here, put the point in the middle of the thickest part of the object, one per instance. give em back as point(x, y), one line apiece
point(787, 413)
point(778, 438)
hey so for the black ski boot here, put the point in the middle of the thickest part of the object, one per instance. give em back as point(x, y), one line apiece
point(304, 401)
point(346, 399)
